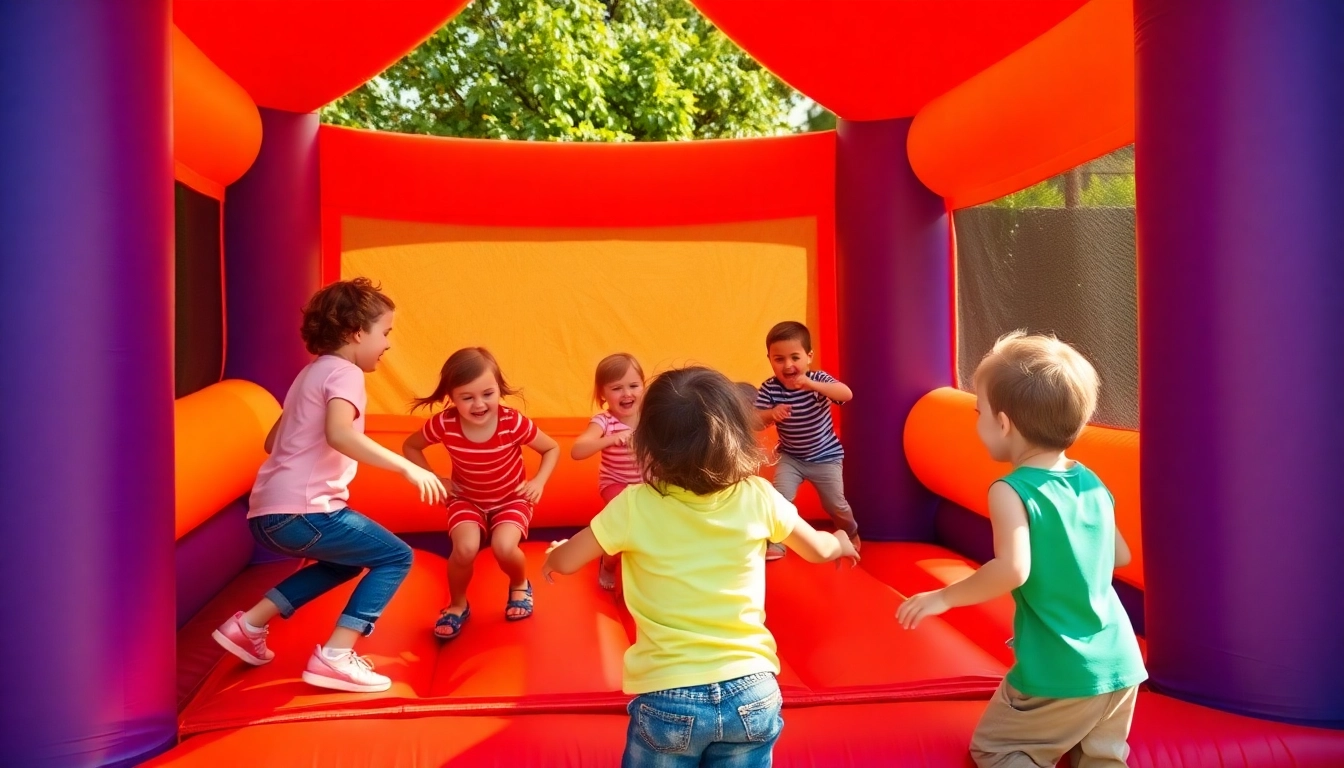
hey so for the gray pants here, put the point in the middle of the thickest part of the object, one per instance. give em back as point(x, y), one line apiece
point(829, 481)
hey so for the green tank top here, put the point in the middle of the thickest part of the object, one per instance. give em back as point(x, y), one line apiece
point(1072, 637)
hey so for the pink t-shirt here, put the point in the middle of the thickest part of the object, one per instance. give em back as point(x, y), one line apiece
point(618, 461)
point(304, 474)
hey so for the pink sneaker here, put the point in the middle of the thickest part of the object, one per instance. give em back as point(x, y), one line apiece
point(235, 639)
point(348, 672)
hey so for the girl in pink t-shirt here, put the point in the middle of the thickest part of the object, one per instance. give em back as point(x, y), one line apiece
point(491, 492)
point(298, 503)
point(619, 385)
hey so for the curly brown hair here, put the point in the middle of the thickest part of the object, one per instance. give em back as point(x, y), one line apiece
point(339, 311)
point(463, 367)
point(696, 432)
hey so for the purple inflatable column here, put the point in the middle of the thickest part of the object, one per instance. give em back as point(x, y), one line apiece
point(272, 253)
point(1241, 249)
point(86, 257)
point(895, 340)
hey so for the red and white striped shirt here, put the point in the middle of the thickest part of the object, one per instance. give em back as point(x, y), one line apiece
point(618, 461)
point(484, 473)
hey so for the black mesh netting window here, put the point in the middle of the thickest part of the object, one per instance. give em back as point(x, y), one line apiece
point(1058, 257)
point(199, 309)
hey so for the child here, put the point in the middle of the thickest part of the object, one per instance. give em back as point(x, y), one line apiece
point(798, 402)
point(298, 503)
point(619, 384)
point(692, 541)
point(491, 493)
point(1073, 687)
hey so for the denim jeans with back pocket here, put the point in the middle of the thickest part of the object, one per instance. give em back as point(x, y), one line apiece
point(342, 544)
point(732, 724)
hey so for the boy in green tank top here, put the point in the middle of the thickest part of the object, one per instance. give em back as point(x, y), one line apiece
point(1073, 687)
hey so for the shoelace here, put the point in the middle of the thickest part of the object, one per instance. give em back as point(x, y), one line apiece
point(359, 661)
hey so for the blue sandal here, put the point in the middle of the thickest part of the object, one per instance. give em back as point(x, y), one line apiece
point(525, 603)
point(451, 621)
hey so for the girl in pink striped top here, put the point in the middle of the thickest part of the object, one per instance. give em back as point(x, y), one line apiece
point(618, 384)
point(490, 490)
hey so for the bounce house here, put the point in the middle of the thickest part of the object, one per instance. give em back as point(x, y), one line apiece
point(171, 200)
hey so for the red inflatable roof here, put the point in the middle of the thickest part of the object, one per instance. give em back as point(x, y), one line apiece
point(863, 59)
point(297, 55)
point(878, 59)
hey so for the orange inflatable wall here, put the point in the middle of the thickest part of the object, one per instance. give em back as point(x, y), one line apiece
point(1062, 99)
point(219, 438)
point(947, 457)
point(216, 127)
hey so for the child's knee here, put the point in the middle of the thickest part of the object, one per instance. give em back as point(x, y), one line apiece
point(504, 545)
point(464, 552)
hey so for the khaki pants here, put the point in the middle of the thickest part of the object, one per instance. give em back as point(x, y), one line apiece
point(1020, 731)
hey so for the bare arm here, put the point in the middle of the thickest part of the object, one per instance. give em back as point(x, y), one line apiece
point(269, 445)
point(1122, 554)
point(414, 449)
point(832, 390)
point(591, 442)
point(774, 415)
point(817, 547)
point(566, 557)
point(550, 455)
point(344, 438)
point(1007, 571)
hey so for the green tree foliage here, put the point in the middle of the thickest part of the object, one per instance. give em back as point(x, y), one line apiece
point(578, 70)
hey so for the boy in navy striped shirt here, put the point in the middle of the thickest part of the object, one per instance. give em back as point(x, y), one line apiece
point(798, 402)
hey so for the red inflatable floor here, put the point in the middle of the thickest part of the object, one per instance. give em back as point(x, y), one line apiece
point(858, 689)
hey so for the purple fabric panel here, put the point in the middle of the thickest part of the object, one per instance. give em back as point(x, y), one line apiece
point(971, 535)
point(1241, 279)
point(210, 556)
point(86, 249)
point(272, 253)
point(892, 242)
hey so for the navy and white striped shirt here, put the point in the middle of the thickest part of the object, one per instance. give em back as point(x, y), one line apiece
point(808, 434)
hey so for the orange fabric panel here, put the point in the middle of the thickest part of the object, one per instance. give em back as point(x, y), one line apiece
point(216, 127)
point(527, 192)
point(868, 60)
point(948, 458)
point(1063, 99)
point(297, 55)
point(560, 300)
point(570, 499)
point(220, 434)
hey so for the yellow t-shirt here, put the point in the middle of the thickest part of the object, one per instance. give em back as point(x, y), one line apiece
point(693, 569)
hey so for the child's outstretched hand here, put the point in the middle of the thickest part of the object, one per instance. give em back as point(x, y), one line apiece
point(847, 550)
point(530, 490)
point(781, 412)
point(546, 568)
point(920, 607)
point(427, 483)
point(622, 437)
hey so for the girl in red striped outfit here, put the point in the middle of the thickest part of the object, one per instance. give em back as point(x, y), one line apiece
point(491, 493)
point(619, 384)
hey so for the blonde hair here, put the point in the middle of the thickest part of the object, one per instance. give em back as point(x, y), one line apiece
point(612, 368)
point(1047, 388)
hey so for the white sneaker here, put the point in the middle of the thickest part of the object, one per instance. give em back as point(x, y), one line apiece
point(347, 672)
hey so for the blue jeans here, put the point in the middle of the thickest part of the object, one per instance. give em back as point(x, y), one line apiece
point(732, 724)
point(342, 543)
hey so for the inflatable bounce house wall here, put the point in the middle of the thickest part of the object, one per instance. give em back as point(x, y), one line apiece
point(126, 495)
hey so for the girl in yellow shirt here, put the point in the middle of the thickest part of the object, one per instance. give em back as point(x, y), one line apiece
point(692, 543)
